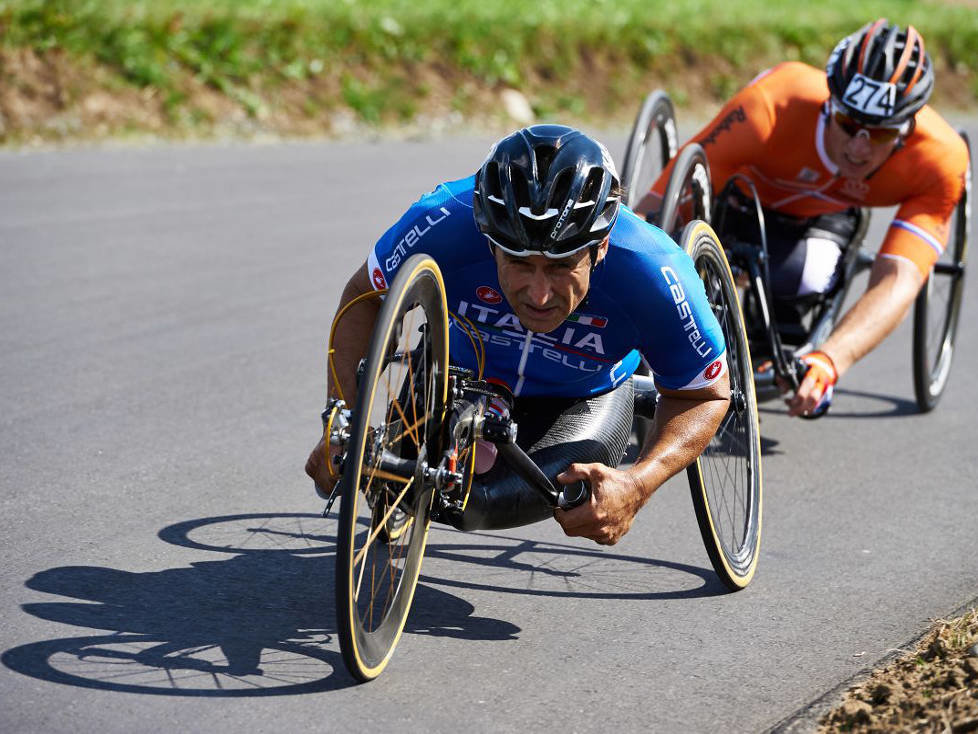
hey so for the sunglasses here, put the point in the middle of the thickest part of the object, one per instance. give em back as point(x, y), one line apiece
point(877, 134)
point(554, 253)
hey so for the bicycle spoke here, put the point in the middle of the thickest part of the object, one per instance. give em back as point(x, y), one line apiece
point(376, 531)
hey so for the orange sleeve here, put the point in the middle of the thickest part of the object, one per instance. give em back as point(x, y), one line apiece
point(735, 137)
point(919, 232)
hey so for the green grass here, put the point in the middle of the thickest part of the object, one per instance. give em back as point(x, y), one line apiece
point(556, 50)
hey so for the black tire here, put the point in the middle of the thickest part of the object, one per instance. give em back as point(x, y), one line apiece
point(938, 306)
point(378, 562)
point(652, 144)
point(725, 481)
point(688, 194)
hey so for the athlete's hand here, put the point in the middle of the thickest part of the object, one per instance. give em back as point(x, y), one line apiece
point(615, 499)
point(815, 391)
point(318, 467)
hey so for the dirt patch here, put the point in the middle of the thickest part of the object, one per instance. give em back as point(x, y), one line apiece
point(932, 689)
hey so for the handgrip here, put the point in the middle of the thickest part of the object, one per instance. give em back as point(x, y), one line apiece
point(573, 495)
point(801, 369)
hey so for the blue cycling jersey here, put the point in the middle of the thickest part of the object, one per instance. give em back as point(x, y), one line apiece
point(645, 297)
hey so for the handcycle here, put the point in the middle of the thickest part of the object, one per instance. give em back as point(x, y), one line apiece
point(776, 345)
point(406, 452)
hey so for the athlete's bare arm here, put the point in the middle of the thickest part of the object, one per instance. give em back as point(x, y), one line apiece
point(893, 286)
point(351, 341)
point(685, 421)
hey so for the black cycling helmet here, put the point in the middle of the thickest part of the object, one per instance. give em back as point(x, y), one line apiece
point(881, 75)
point(546, 189)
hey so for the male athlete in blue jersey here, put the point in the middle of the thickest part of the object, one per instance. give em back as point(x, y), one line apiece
point(567, 289)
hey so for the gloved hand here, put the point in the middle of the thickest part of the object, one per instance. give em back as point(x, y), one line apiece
point(814, 395)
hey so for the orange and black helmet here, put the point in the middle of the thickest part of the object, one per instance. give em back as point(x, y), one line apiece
point(881, 74)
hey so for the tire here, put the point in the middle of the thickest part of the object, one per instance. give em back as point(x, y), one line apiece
point(688, 194)
point(725, 481)
point(377, 560)
point(938, 306)
point(652, 144)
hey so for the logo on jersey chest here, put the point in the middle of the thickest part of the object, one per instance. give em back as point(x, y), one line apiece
point(380, 283)
point(807, 175)
point(504, 329)
point(488, 295)
point(598, 322)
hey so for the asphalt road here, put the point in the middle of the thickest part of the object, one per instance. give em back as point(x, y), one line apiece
point(162, 344)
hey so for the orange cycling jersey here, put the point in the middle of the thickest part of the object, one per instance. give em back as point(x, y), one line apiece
point(772, 132)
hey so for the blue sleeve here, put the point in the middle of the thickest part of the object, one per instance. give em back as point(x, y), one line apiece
point(684, 342)
point(676, 329)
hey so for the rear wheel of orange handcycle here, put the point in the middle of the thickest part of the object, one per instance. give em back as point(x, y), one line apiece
point(725, 480)
point(938, 305)
point(386, 497)
point(687, 197)
point(652, 144)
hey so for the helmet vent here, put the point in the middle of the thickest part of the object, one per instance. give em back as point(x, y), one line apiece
point(544, 155)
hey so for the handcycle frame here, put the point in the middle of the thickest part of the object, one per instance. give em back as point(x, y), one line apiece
point(409, 457)
point(752, 259)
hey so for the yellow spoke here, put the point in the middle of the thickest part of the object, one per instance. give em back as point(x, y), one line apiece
point(381, 474)
point(403, 433)
point(381, 524)
point(410, 428)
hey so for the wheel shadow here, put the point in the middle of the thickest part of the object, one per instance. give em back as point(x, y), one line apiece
point(492, 561)
point(899, 406)
point(510, 565)
point(262, 621)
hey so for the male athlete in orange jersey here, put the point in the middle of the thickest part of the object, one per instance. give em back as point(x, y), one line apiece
point(816, 145)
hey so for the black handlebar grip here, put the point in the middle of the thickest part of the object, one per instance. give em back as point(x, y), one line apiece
point(574, 494)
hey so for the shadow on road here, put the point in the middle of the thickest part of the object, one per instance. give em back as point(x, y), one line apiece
point(262, 622)
point(897, 406)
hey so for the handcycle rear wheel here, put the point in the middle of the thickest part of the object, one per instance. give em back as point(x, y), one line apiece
point(651, 145)
point(725, 481)
point(384, 517)
point(938, 305)
point(688, 194)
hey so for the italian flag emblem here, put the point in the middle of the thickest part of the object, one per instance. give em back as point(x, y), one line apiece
point(599, 322)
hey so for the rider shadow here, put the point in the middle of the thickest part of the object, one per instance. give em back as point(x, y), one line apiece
point(255, 624)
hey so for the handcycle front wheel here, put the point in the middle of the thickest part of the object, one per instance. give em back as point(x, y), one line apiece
point(652, 144)
point(938, 306)
point(384, 515)
point(725, 481)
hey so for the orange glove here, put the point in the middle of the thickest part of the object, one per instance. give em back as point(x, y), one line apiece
point(814, 394)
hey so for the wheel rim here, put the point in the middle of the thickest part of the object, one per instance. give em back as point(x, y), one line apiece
point(385, 514)
point(391, 515)
point(938, 308)
point(729, 467)
point(652, 155)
